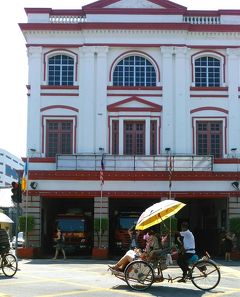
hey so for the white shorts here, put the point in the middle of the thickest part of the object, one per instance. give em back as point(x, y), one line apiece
point(131, 253)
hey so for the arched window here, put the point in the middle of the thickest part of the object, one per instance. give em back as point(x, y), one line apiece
point(60, 70)
point(207, 72)
point(134, 71)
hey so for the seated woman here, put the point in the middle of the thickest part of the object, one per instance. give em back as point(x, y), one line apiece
point(151, 245)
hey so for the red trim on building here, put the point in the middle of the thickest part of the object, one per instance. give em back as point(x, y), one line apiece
point(209, 89)
point(143, 95)
point(151, 106)
point(132, 194)
point(139, 88)
point(129, 26)
point(43, 87)
point(60, 94)
point(59, 106)
point(100, 5)
point(133, 175)
point(209, 108)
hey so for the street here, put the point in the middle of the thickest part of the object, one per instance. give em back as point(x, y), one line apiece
point(86, 277)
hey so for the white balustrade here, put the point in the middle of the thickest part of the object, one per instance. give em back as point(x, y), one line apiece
point(202, 20)
point(61, 19)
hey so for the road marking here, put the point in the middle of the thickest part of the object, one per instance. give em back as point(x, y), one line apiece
point(223, 293)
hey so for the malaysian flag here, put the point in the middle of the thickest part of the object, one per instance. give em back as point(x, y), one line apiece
point(101, 171)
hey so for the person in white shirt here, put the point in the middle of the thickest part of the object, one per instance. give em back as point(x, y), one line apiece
point(187, 250)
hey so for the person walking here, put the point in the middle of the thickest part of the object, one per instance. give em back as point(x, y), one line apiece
point(59, 244)
point(228, 245)
point(133, 234)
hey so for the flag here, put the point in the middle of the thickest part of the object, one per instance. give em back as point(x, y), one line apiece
point(25, 177)
point(101, 171)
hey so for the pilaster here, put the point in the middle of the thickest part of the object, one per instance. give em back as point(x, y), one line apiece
point(87, 98)
point(233, 101)
point(101, 127)
point(168, 92)
point(34, 99)
point(181, 97)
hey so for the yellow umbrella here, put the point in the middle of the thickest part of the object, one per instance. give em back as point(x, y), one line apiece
point(157, 213)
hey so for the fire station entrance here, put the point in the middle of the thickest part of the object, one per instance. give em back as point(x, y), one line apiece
point(207, 219)
point(74, 217)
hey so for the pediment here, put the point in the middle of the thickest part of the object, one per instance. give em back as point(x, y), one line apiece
point(134, 103)
point(133, 4)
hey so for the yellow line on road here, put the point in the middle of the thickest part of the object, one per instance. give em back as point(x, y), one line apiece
point(93, 290)
point(217, 294)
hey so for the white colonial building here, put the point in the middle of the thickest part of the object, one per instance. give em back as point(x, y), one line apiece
point(151, 86)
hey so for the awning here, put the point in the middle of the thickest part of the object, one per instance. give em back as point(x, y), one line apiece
point(4, 218)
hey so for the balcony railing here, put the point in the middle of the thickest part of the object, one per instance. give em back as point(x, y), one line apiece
point(134, 163)
point(202, 20)
point(67, 19)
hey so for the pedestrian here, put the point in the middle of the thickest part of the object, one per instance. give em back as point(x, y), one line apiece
point(59, 244)
point(133, 234)
point(228, 245)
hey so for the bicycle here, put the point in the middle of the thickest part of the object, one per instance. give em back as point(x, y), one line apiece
point(140, 274)
point(9, 263)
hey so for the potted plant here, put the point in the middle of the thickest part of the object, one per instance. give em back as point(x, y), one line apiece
point(26, 225)
point(100, 227)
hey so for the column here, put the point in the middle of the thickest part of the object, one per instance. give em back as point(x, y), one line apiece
point(168, 93)
point(87, 119)
point(101, 127)
point(101, 212)
point(233, 101)
point(34, 80)
point(181, 112)
point(121, 135)
point(147, 136)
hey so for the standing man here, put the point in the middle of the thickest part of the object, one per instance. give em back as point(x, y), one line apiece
point(187, 242)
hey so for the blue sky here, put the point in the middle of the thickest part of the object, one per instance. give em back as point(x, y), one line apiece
point(13, 74)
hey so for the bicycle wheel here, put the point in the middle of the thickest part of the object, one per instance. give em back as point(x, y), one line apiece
point(9, 264)
point(139, 275)
point(205, 275)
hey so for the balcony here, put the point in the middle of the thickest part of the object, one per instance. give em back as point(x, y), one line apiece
point(134, 163)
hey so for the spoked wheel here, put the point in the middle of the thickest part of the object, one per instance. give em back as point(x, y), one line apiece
point(139, 275)
point(205, 275)
point(9, 265)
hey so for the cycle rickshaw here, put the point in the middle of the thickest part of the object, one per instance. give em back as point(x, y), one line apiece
point(139, 274)
point(9, 263)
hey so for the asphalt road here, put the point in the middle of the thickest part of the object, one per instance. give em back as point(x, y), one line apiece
point(90, 278)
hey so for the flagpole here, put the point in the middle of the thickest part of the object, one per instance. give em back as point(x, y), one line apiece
point(26, 206)
point(100, 221)
point(169, 167)
point(100, 215)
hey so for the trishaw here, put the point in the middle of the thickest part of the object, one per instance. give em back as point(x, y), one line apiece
point(139, 274)
point(9, 263)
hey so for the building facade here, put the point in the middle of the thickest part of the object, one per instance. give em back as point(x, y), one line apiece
point(10, 168)
point(146, 91)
